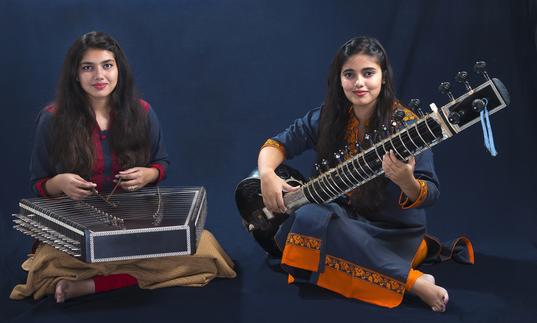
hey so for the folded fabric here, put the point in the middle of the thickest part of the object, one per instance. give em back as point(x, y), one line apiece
point(47, 266)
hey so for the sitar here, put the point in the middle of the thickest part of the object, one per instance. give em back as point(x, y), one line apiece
point(409, 140)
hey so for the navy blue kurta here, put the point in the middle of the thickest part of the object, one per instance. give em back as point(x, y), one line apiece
point(105, 165)
point(367, 258)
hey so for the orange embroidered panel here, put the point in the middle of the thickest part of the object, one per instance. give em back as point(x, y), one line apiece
point(352, 132)
point(409, 115)
point(303, 241)
point(365, 274)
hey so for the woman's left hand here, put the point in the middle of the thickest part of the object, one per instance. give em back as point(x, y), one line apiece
point(135, 178)
point(402, 174)
point(399, 172)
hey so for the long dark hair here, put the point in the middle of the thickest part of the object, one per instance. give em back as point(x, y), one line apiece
point(74, 119)
point(335, 115)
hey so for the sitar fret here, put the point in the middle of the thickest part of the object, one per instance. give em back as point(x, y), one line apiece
point(367, 165)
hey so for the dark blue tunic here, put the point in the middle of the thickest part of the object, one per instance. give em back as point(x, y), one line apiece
point(105, 165)
point(367, 258)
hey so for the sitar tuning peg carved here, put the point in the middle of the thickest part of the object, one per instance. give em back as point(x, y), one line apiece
point(445, 88)
point(344, 152)
point(393, 125)
point(358, 147)
point(317, 168)
point(455, 117)
point(368, 139)
point(478, 105)
point(462, 77)
point(385, 131)
point(338, 156)
point(414, 104)
point(399, 116)
point(324, 165)
point(479, 68)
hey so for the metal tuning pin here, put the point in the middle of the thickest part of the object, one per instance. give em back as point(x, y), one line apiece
point(462, 77)
point(337, 156)
point(479, 68)
point(393, 125)
point(324, 165)
point(368, 139)
point(358, 147)
point(478, 105)
point(455, 116)
point(317, 168)
point(414, 104)
point(345, 151)
point(385, 131)
point(445, 88)
point(399, 116)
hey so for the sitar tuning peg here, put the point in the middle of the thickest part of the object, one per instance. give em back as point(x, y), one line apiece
point(369, 139)
point(455, 117)
point(358, 147)
point(399, 116)
point(344, 152)
point(462, 77)
point(385, 131)
point(337, 156)
point(317, 168)
point(479, 68)
point(445, 88)
point(324, 165)
point(414, 104)
point(478, 105)
point(393, 125)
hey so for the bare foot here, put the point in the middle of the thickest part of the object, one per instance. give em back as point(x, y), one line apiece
point(429, 278)
point(433, 295)
point(66, 289)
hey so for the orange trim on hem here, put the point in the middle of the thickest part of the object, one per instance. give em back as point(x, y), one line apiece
point(364, 290)
point(347, 278)
point(469, 248)
point(290, 279)
point(301, 257)
point(421, 254)
point(413, 275)
point(404, 201)
point(274, 144)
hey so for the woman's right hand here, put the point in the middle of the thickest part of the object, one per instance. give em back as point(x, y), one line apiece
point(72, 185)
point(272, 188)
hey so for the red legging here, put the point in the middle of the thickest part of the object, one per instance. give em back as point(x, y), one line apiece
point(105, 283)
point(111, 282)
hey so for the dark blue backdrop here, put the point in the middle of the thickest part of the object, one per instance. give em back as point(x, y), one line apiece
point(224, 75)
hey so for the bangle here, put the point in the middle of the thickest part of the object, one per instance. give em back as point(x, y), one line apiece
point(44, 187)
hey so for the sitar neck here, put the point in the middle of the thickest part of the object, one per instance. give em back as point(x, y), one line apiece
point(426, 132)
point(361, 168)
